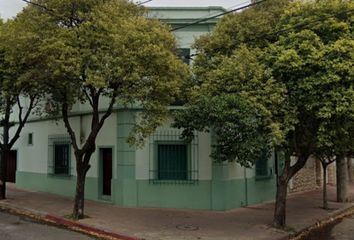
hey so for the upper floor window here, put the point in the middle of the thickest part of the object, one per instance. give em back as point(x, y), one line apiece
point(185, 55)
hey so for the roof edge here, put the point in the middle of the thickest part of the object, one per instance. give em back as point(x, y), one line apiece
point(188, 8)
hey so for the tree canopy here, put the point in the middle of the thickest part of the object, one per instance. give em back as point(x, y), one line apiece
point(19, 95)
point(292, 63)
point(228, 66)
point(233, 101)
point(103, 54)
point(107, 49)
point(314, 60)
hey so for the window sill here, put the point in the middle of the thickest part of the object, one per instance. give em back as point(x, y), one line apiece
point(183, 182)
point(62, 176)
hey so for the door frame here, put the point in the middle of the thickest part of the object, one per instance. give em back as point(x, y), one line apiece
point(100, 173)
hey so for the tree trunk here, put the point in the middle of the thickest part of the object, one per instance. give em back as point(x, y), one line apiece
point(350, 170)
point(325, 201)
point(4, 159)
point(342, 179)
point(280, 204)
point(79, 204)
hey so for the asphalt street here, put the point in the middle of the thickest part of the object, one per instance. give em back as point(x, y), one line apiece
point(343, 230)
point(18, 228)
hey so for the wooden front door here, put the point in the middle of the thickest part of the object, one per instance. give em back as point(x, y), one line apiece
point(106, 171)
point(12, 166)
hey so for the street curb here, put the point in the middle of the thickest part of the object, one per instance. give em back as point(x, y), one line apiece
point(65, 223)
point(332, 218)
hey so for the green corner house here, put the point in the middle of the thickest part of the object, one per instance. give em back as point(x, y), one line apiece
point(165, 173)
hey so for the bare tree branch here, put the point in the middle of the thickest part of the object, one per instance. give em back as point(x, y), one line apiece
point(20, 109)
point(300, 163)
point(109, 110)
point(98, 123)
point(22, 121)
point(68, 126)
point(88, 97)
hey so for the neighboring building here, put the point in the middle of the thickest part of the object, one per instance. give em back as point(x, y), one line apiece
point(310, 177)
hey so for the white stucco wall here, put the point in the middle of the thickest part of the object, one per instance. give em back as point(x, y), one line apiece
point(34, 158)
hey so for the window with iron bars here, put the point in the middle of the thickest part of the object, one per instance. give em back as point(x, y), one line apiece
point(59, 155)
point(173, 160)
point(262, 166)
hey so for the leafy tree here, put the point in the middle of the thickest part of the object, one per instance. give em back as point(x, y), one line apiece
point(232, 64)
point(337, 128)
point(304, 48)
point(327, 84)
point(19, 93)
point(325, 162)
point(233, 102)
point(310, 60)
point(105, 51)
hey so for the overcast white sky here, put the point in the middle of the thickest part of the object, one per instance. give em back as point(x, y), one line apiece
point(9, 8)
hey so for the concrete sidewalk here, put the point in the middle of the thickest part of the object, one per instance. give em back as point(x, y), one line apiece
point(251, 222)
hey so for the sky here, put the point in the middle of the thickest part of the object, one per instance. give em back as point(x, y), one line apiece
point(9, 8)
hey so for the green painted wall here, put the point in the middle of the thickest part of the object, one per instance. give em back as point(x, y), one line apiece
point(174, 195)
point(230, 193)
point(55, 184)
point(218, 195)
point(125, 186)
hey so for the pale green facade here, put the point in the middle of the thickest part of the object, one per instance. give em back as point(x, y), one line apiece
point(210, 185)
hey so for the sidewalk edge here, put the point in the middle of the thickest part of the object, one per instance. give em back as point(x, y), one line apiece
point(333, 217)
point(65, 223)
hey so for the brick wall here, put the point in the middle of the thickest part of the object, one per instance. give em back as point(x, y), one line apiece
point(305, 179)
point(331, 171)
point(310, 177)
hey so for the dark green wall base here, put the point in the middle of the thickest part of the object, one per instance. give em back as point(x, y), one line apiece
point(217, 195)
point(61, 185)
point(174, 195)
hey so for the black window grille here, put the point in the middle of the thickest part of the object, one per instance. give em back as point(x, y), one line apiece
point(59, 155)
point(262, 165)
point(171, 159)
point(61, 158)
point(30, 139)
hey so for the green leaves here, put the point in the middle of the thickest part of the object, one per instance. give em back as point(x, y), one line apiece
point(89, 50)
point(234, 122)
point(233, 101)
point(292, 63)
point(315, 62)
